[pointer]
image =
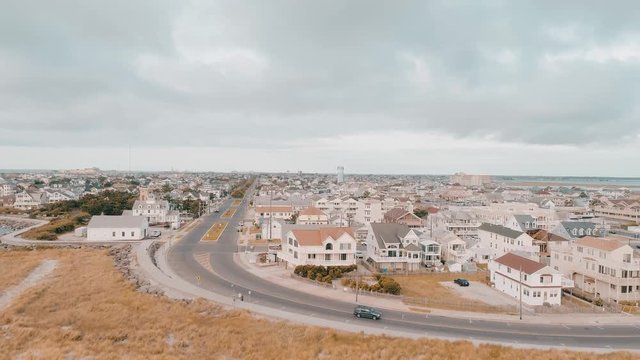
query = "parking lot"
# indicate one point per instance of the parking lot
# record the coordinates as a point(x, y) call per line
point(481, 292)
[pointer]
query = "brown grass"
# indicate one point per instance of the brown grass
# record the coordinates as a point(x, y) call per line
point(229, 213)
point(15, 266)
point(236, 202)
point(416, 288)
point(214, 232)
point(96, 313)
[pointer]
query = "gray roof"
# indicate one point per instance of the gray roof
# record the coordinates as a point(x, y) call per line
point(500, 230)
point(412, 247)
point(389, 233)
point(115, 221)
point(569, 225)
point(523, 219)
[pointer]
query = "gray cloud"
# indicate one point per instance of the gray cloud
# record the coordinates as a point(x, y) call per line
point(257, 74)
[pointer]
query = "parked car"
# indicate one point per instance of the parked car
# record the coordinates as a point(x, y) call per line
point(216, 211)
point(366, 312)
point(360, 254)
point(461, 282)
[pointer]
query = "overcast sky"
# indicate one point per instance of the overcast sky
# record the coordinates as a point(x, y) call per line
point(492, 87)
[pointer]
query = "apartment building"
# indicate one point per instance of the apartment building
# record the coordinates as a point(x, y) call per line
point(540, 283)
point(368, 211)
point(606, 268)
point(621, 209)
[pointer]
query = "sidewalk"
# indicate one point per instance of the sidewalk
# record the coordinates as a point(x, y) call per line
point(280, 276)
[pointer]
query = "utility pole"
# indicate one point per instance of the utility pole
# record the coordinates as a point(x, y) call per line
point(520, 292)
point(270, 212)
point(357, 286)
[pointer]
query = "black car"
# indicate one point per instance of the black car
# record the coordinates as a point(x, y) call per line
point(367, 312)
point(461, 282)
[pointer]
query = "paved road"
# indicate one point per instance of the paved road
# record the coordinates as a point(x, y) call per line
point(229, 279)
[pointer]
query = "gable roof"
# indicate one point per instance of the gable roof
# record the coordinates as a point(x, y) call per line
point(312, 211)
point(516, 262)
point(263, 209)
point(315, 237)
point(389, 233)
point(500, 230)
point(606, 244)
point(116, 221)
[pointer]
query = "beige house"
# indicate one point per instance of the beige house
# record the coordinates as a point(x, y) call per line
point(622, 209)
point(273, 212)
point(312, 216)
point(606, 268)
point(325, 246)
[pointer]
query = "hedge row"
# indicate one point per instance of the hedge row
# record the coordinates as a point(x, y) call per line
point(321, 273)
point(384, 284)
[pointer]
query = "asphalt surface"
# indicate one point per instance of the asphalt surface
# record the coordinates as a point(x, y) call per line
point(229, 279)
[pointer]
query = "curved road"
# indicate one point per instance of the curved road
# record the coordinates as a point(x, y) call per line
point(229, 279)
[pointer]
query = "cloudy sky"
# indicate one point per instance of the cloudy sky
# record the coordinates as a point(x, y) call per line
point(424, 87)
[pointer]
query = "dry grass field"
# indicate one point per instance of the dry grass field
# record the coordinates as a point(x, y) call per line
point(87, 309)
point(428, 286)
point(215, 231)
point(15, 265)
point(236, 202)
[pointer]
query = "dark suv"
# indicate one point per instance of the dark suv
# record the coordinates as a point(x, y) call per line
point(461, 282)
point(367, 312)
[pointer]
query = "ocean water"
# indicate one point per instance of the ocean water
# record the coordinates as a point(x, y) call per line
point(574, 180)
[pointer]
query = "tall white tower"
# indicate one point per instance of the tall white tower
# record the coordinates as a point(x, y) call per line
point(340, 174)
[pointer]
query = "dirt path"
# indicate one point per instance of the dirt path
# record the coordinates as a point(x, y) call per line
point(44, 269)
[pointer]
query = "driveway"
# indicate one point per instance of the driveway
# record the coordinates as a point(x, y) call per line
point(481, 292)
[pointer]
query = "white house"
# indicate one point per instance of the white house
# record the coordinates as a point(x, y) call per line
point(273, 212)
point(27, 200)
point(393, 247)
point(453, 248)
point(540, 283)
point(501, 240)
point(123, 227)
point(156, 211)
point(430, 252)
point(324, 246)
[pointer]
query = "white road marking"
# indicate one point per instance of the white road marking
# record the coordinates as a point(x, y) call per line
point(565, 326)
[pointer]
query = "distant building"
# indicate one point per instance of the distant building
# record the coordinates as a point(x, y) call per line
point(155, 211)
point(470, 180)
point(109, 227)
point(340, 174)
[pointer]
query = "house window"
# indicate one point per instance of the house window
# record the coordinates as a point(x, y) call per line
point(132, 234)
point(327, 257)
point(114, 234)
point(329, 246)
point(343, 257)
point(123, 234)
point(345, 246)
